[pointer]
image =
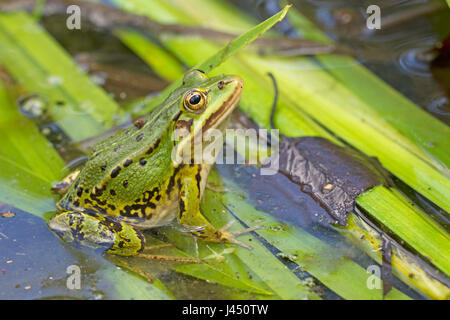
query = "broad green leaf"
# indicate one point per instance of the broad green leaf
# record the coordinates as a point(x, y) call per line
point(291, 120)
point(28, 162)
point(164, 64)
point(314, 95)
point(339, 273)
point(406, 266)
point(430, 134)
point(131, 287)
point(216, 273)
point(208, 63)
point(410, 224)
point(40, 65)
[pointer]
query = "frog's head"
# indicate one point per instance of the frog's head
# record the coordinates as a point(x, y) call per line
point(205, 104)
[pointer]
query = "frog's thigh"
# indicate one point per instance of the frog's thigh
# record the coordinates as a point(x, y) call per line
point(95, 231)
point(190, 215)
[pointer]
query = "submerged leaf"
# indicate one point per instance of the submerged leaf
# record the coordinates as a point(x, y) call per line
point(28, 162)
point(39, 65)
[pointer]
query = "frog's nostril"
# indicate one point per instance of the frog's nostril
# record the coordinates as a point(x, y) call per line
point(237, 80)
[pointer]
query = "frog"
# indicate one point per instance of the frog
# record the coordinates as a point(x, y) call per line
point(132, 181)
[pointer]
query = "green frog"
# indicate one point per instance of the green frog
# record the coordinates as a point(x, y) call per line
point(132, 182)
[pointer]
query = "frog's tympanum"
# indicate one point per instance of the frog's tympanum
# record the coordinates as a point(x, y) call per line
point(130, 181)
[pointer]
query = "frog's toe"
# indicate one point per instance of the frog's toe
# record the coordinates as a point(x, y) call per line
point(230, 237)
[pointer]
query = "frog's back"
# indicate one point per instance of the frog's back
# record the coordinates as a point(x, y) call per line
point(130, 173)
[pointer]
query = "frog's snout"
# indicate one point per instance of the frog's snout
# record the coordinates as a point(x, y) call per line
point(236, 81)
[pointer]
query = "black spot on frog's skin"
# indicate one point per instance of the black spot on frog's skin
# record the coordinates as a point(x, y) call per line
point(155, 146)
point(177, 116)
point(76, 224)
point(129, 211)
point(79, 192)
point(198, 176)
point(182, 207)
point(139, 137)
point(76, 203)
point(87, 201)
point(60, 103)
point(127, 162)
point(98, 191)
point(116, 148)
point(112, 192)
point(125, 183)
point(112, 225)
point(220, 84)
point(115, 171)
point(103, 167)
point(112, 207)
point(148, 195)
point(172, 181)
point(142, 162)
point(94, 196)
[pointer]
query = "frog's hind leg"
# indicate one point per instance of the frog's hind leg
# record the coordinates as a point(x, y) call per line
point(98, 231)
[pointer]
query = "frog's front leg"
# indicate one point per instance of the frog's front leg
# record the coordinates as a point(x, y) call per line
point(98, 231)
point(190, 215)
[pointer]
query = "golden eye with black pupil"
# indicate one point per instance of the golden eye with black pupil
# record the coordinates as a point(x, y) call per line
point(195, 101)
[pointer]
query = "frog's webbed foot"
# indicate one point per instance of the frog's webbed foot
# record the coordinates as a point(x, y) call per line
point(230, 237)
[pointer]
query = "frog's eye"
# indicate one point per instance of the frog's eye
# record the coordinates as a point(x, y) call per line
point(195, 101)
